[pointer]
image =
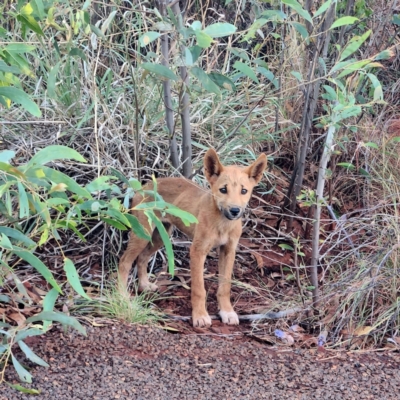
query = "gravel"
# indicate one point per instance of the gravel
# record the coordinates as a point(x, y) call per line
point(134, 362)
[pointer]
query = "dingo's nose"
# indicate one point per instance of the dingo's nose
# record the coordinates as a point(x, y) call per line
point(235, 211)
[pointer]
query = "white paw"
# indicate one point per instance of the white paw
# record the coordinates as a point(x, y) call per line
point(229, 317)
point(148, 287)
point(202, 321)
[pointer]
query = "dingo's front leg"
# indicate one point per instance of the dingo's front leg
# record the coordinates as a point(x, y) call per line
point(198, 253)
point(225, 264)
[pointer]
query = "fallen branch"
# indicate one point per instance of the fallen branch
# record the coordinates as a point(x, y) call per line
point(248, 317)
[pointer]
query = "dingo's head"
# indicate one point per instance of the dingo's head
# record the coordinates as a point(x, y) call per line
point(232, 185)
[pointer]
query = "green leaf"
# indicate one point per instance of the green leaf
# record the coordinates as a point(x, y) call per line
point(269, 75)
point(108, 21)
point(301, 29)
point(118, 216)
point(353, 67)
point(92, 205)
point(165, 238)
point(4, 298)
point(31, 23)
point(384, 55)
point(203, 40)
point(245, 69)
point(122, 178)
point(160, 70)
point(185, 216)
point(322, 9)
point(341, 65)
point(20, 97)
point(251, 32)
point(55, 152)
point(297, 75)
point(99, 184)
point(113, 223)
point(73, 278)
point(239, 53)
point(275, 15)
point(97, 31)
point(78, 52)
point(222, 81)
point(48, 305)
point(6, 68)
point(371, 144)
point(196, 25)
point(6, 155)
point(23, 201)
point(378, 93)
point(17, 235)
point(22, 389)
point(205, 80)
point(364, 172)
point(42, 210)
point(396, 19)
point(220, 29)
point(137, 227)
point(148, 37)
point(331, 93)
point(5, 242)
point(354, 45)
point(38, 8)
point(51, 81)
point(59, 177)
point(30, 355)
point(344, 21)
point(346, 165)
point(23, 374)
point(134, 184)
point(299, 9)
point(58, 317)
point(38, 265)
point(285, 246)
point(22, 335)
point(19, 48)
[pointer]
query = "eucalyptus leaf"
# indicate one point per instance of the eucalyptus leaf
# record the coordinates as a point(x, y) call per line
point(20, 97)
point(30, 355)
point(58, 317)
point(160, 70)
point(73, 278)
point(23, 374)
point(245, 69)
point(55, 152)
point(165, 238)
point(220, 29)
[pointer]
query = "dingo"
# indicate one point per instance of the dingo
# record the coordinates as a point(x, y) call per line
point(219, 225)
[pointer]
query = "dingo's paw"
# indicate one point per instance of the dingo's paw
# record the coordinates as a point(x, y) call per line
point(201, 321)
point(229, 317)
point(148, 287)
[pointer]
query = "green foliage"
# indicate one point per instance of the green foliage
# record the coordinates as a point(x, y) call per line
point(51, 201)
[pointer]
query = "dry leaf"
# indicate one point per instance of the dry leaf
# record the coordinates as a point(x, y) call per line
point(363, 330)
point(18, 318)
point(259, 259)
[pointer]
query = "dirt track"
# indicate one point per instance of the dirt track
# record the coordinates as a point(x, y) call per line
point(128, 362)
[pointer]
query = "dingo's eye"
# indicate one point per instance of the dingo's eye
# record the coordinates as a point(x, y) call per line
point(244, 191)
point(223, 190)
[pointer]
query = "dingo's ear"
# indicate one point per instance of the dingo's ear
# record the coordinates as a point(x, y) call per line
point(212, 165)
point(256, 170)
